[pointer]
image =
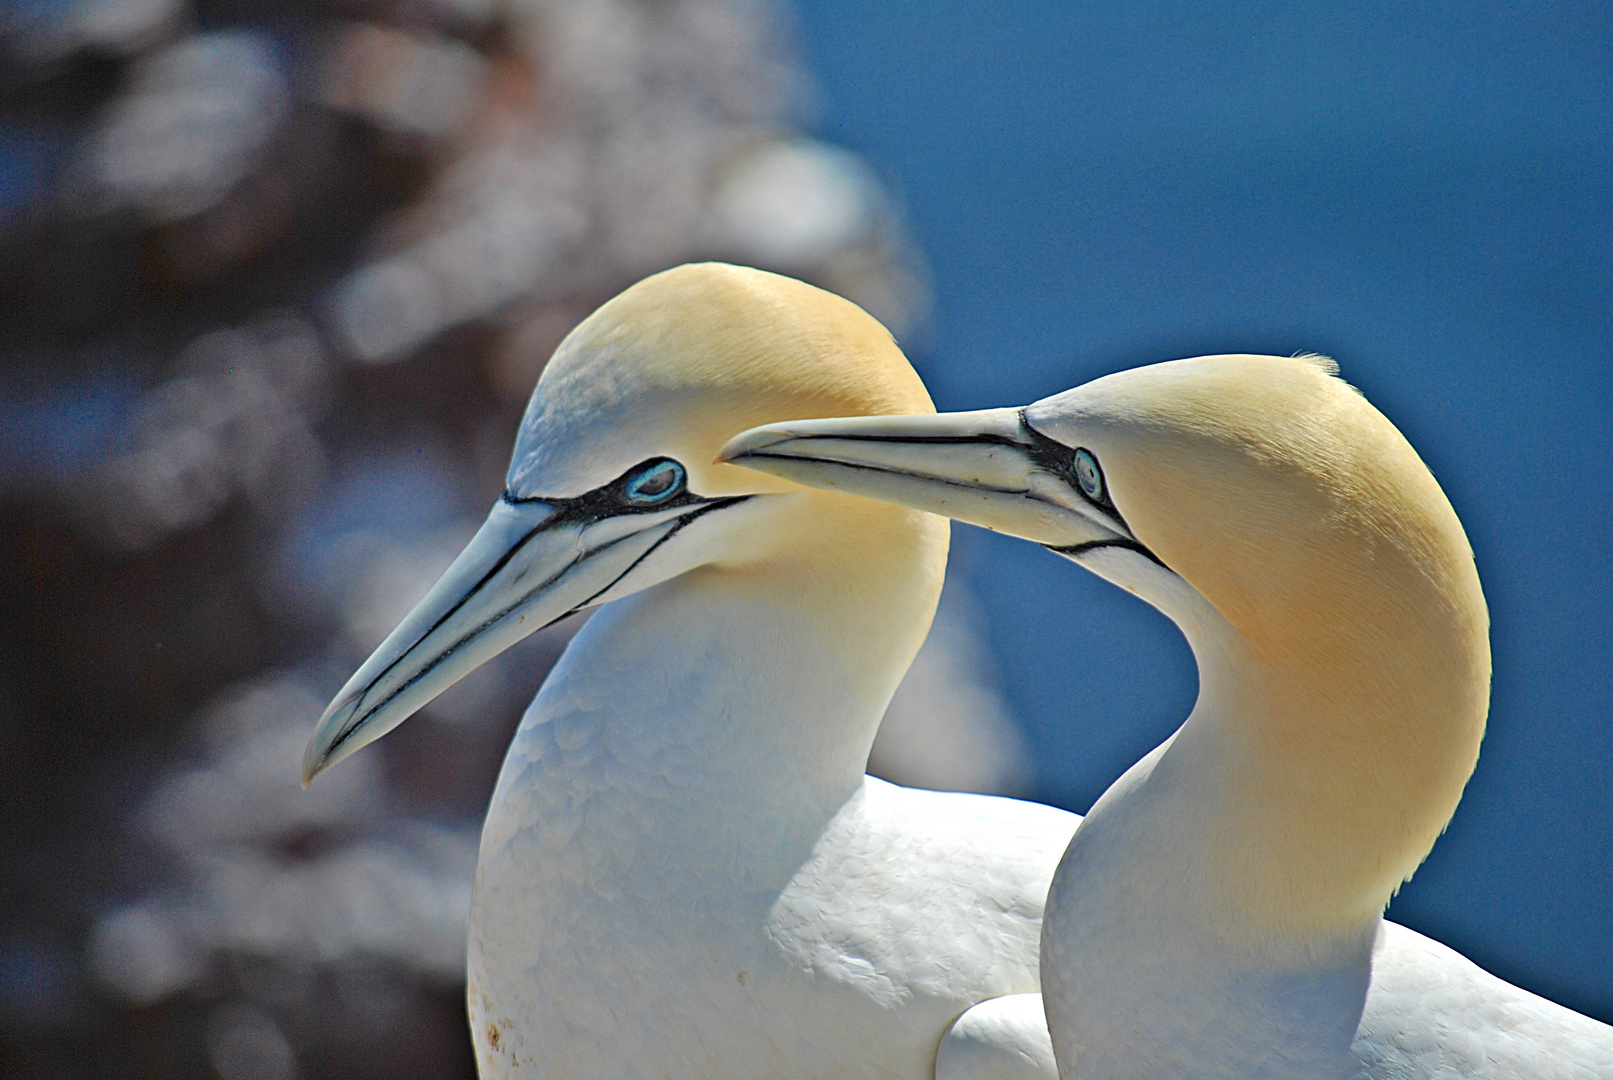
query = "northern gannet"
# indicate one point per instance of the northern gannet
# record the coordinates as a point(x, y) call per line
point(1219, 911)
point(684, 871)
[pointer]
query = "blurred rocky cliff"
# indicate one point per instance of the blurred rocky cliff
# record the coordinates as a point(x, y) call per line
point(277, 278)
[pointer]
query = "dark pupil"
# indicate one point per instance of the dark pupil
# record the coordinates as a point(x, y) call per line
point(654, 482)
point(1086, 470)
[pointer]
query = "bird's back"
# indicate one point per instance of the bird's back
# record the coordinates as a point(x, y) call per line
point(1430, 1012)
point(911, 907)
point(914, 906)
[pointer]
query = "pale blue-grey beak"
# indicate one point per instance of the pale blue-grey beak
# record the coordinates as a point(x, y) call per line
point(989, 468)
point(532, 562)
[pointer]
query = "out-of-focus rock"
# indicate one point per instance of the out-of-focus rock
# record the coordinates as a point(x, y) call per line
point(428, 87)
point(246, 789)
point(270, 871)
point(284, 284)
point(793, 204)
point(191, 124)
point(245, 1043)
point(505, 221)
point(233, 421)
point(818, 212)
point(144, 953)
point(50, 32)
point(620, 139)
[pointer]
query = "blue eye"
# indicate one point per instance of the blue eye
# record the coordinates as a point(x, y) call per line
point(655, 483)
point(1089, 476)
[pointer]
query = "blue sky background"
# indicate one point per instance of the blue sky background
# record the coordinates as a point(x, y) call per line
point(1425, 194)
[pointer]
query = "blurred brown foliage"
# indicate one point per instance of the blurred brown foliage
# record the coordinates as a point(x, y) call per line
point(278, 278)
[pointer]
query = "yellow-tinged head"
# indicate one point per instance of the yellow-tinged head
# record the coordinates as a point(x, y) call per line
point(613, 489)
point(686, 359)
point(1285, 499)
point(1345, 666)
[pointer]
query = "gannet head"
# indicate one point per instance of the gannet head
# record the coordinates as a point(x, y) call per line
point(1283, 522)
point(1267, 483)
point(613, 487)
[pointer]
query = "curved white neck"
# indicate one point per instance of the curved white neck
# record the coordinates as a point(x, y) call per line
point(733, 708)
point(1230, 884)
point(756, 700)
point(1315, 771)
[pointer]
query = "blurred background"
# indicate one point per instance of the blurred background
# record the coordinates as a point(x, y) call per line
point(276, 279)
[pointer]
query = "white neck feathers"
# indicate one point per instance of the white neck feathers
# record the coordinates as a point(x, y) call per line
point(747, 691)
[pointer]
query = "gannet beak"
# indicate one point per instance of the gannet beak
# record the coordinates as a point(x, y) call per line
point(532, 562)
point(988, 468)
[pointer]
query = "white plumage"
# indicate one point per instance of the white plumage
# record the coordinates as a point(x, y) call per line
point(684, 870)
point(1218, 912)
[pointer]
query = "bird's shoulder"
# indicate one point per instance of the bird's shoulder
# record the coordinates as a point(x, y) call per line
point(1432, 1012)
point(939, 847)
point(1003, 1038)
point(924, 892)
point(981, 828)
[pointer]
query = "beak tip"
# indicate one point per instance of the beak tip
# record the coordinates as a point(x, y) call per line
point(317, 757)
point(312, 766)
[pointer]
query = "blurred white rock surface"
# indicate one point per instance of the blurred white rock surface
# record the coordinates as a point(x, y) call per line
point(189, 127)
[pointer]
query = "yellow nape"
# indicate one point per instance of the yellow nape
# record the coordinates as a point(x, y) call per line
point(1360, 674)
point(684, 360)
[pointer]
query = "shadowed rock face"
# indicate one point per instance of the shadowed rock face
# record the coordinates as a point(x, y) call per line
point(277, 291)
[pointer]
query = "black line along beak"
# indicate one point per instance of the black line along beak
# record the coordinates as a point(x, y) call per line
point(532, 562)
point(988, 468)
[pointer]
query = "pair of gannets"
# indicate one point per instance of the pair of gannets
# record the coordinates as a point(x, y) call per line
point(684, 871)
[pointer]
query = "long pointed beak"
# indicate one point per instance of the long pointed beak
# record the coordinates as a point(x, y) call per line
point(988, 468)
point(528, 565)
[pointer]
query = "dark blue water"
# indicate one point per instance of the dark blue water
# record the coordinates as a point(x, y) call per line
point(1426, 196)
